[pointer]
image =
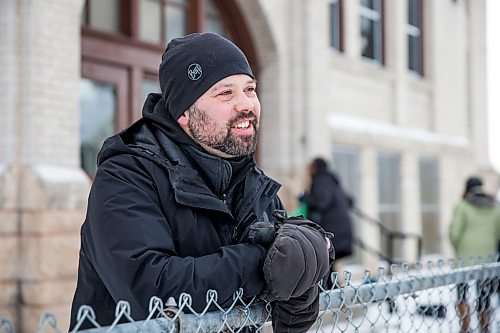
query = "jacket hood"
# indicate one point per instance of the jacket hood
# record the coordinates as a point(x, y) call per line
point(154, 110)
point(480, 199)
point(131, 141)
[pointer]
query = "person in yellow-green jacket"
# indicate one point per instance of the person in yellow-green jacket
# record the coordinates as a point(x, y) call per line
point(475, 231)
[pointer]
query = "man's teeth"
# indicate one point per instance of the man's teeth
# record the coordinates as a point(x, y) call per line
point(244, 124)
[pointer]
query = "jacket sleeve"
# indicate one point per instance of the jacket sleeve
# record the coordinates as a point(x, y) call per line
point(134, 253)
point(457, 226)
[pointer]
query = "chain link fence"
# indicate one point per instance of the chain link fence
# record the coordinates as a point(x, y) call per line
point(435, 297)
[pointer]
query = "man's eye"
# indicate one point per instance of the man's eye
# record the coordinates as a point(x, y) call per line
point(225, 93)
point(251, 89)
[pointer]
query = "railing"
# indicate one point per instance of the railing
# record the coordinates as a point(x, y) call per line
point(390, 235)
point(419, 300)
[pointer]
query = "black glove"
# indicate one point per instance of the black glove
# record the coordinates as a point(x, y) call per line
point(262, 233)
point(297, 260)
point(328, 235)
point(298, 314)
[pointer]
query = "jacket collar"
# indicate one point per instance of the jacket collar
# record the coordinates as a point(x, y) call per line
point(195, 189)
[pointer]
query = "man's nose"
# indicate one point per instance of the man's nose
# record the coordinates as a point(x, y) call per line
point(244, 103)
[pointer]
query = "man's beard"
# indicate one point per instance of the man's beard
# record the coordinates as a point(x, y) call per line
point(208, 133)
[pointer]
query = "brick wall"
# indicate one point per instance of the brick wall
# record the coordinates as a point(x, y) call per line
point(42, 189)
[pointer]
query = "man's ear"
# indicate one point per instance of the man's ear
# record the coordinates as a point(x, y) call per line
point(183, 119)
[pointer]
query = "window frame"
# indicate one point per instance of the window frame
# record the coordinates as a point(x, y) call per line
point(130, 34)
point(390, 207)
point(163, 4)
point(348, 154)
point(376, 15)
point(416, 32)
point(349, 177)
point(336, 33)
point(426, 207)
point(117, 78)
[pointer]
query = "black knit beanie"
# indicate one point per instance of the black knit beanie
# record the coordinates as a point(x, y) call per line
point(194, 63)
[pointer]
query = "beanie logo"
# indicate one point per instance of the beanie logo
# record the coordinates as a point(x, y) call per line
point(194, 72)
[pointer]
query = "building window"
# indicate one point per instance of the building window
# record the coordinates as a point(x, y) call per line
point(429, 205)
point(415, 41)
point(213, 20)
point(162, 20)
point(149, 85)
point(371, 30)
point(159, 21)
point(174, 19)
point(389, 196)
point(150, 17)
point(103, 15)
point(97, 120)
point(346, 167)
point(336, 24)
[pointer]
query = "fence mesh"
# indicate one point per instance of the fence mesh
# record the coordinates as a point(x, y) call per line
point(435, 297)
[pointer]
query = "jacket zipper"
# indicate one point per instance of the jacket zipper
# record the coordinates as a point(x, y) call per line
point(245, 223)
point(242, 176)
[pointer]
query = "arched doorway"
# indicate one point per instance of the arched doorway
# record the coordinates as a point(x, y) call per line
point(122, 43)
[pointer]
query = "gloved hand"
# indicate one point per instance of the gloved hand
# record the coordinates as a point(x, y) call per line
point(262, 233)
point(296, 261)
point(297, 314)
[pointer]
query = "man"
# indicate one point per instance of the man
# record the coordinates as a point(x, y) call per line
point(328, 205)
point(176, 197)
point(475, 231)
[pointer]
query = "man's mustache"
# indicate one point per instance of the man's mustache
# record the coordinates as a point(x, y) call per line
point(250, 115)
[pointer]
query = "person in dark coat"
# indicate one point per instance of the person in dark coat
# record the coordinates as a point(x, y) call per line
point(328, 205)
point(175, 192)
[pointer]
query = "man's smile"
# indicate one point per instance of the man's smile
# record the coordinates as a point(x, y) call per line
point(243, 124)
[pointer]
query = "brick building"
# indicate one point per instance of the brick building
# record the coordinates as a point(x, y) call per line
point(393, 92)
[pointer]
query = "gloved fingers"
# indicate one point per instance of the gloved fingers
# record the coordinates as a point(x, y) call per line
point(328, 235)
point(284, 266)
point(298, 304)
point(262, 233)
point(297, 260)
point(297, 314)
point(297, 220)
point(320, 246)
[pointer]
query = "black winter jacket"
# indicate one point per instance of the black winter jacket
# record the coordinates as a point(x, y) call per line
point(161, 221)
point(328, 206)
